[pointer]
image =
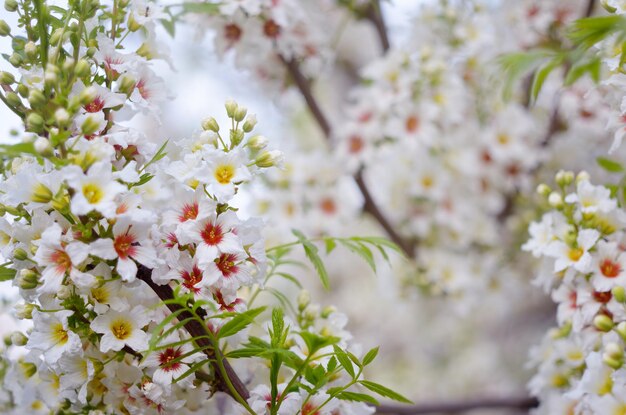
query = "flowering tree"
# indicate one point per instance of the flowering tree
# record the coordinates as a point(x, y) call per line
point(142, 277)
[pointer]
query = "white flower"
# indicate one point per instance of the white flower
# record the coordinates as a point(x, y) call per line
point(95, 190)
point(577, 256)
point(123, 329)
point(214, 235)
point(52, 336)
point(592, 198)
point(609, 266)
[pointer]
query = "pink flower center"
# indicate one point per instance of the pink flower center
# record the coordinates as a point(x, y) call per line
point(212, 234)
point(226, 263)
point(167, 359)
point(60, 258)
point(123, 245)
point(192, 278)
point(95, 106)
point(189, 212)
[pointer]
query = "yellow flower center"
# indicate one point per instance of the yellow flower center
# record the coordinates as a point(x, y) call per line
point(93, 193)
point(575, 253)
point(121, 329)
point(59, 334)
point(100, 294)
point(503, 138)
point(224, 173)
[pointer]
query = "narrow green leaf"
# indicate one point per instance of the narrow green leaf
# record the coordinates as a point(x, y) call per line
point(384, 391)
point(239, 322)
point(357, 397)
point(7, 274)
point(344, 360)
point(370, 356)
point(311, 252)
point(209, 8)
point(330, 245)
point(542, 74)
point(610, 165)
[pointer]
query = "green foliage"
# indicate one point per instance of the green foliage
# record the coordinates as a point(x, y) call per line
point(311, 252)
point(609, 165)
point(6, 273)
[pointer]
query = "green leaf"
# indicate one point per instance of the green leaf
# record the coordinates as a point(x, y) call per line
point(209, 8)
point(157, 156)
point(361, 250)
point(239, 322)
point(344, 360)
point(589, 31)
point(357, 397)
point(542, 74)
point(314, 342)
point(169, 26)
point(289, 277)
point(17, 149)
point(384, 391)
point(370, 356)
point(330, 245)
point(579, 69)
point(610, 165)
point(311, 252)
point(516, 65)
point(6, 273)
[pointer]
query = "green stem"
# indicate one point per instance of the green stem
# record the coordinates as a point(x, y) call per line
point(229, 384)
point(43, 34)
point(15, 110)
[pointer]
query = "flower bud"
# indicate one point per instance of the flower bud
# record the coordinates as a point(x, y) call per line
point(82, 68)
point(583, 176)
point(231, 107)
point(304, 299)
point(31, 50)
point(250, 123)
point(236, 137)
point(614, 363)
point(543, 189)
point(35, 122)
point(608, 7)
point(555, 200)
point(6, 78)
point(64, 292)
point(614, 350)
point(13, 99)
point(328, 310)
point(36, 98)
point(10, 5)
point(18, 338)
point(619, 293)
point(145, 51)
point(23, 90)
point(28, 369)
point(27, 279)
point(311, 312)
point(61, 202)
point(55, 37)
point(16, 60)
point(91, 51)
point(5, 29)
point(240, 113)
point(269, 159)
point(621, 330)
point(24, 311)
point(51, 75)
point(210, 124)
point(88, 95)
point(603, 322)
point(20, 254)
point(61, 117)
point(89, 126)
point(127, 84)
point(258, 142)
point(564, 178)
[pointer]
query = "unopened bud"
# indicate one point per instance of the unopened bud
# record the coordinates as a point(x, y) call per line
point(327, 311)
point(614, 363)
point(6, 78)
point(23, 90)
point(543, 189)
point(36, 98)
point(55, 37)
point(236, 137)
point(258, 142)
point(583, 176)
point(20, 254)
point(304, 299)
point(250, 123)
point(34, 122)
point(89, 126)
point(10, 5)
point(311, 312)
point(564, 178)
point(31, 49)
point(18, 338)
point(91, 51)
point(61, 202)
point(608, 7)
point(145, 51)
point(240, 113)
point(16, 60)
point(82, 68)
point(24, 311)
point(269, 159)
point(28, 369)
point(619, 293)
point(603, 322)
point(621, 329)
point(555, 200)
point(51, 74)
point(64, 292)
point(614, 350)
point(210, 124)
point(231, 107)
point(127, 84)
point(27, 279)
point(61, 117)
point(88, 95)
point(5, 29)
point(13, 99)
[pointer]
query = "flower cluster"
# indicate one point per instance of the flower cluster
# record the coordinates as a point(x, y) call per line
point(581, 242)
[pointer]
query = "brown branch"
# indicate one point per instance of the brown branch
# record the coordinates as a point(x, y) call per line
point(200, 333)
point(522, 403)
point(375, 15)
point(370, 206)
point(591, 5)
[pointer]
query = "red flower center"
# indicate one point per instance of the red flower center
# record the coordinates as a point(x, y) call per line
point(412, 124)
point(227, 264)
point(192, 278)
point(212, 234)
point(356, 144)
point(95, 106)
point(602, 296)
point(189, 211)
point(232, 32)
point(123, 245)
point(610, 269)
point(271, 29)
point(167, 359)
point(61, 259)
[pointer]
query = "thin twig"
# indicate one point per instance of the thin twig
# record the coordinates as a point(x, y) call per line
point(199, 332)
point(522, 403)
point(591, 5)
point(370, 206)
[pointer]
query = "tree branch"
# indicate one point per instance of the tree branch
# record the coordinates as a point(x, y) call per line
point(375, 15)
point(199, 332)
point(591, 5)
point(522, 403)
point(370, 206)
